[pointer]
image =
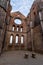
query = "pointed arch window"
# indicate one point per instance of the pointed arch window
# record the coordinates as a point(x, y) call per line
point(17, 39)
point(11, 39)
point(7, 3)
point(22, 39)
point(17, 28)
point(13, 28)
point(21, 29)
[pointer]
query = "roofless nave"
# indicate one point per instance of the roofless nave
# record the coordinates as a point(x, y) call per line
point(28, 35)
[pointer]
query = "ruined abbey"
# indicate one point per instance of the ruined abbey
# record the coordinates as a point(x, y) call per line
point(28, 34)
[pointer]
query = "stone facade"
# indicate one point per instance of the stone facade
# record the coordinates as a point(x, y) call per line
point(23, 25)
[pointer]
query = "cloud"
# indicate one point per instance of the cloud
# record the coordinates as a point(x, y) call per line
point(21, 5)
point(24, 10)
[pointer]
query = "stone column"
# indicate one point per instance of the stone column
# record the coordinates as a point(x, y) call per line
point(32, 39)
point(25, 41)
point(31, 26)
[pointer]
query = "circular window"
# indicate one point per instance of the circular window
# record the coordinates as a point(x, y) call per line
point(17, 21)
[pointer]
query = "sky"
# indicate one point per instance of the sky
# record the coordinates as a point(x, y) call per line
point(22, 6)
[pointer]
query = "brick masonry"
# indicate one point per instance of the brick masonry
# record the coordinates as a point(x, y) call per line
point(7, 22)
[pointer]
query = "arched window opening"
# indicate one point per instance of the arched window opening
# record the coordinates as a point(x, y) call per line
point(30, 24)
point(21, 29)
point(17, 28)
point(11, 39)
point(13, 28)
point(17, 38)
point(7, 3)
point(34, 13)
point(22, 39)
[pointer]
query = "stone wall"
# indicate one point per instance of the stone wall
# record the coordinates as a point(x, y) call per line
point(38, 42)
point(36, 23)
point(2, 26)
point(16, 15)
point(3, 20)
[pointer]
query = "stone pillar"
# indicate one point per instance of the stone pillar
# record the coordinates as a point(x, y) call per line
point(32, 39)
point(25, 41)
